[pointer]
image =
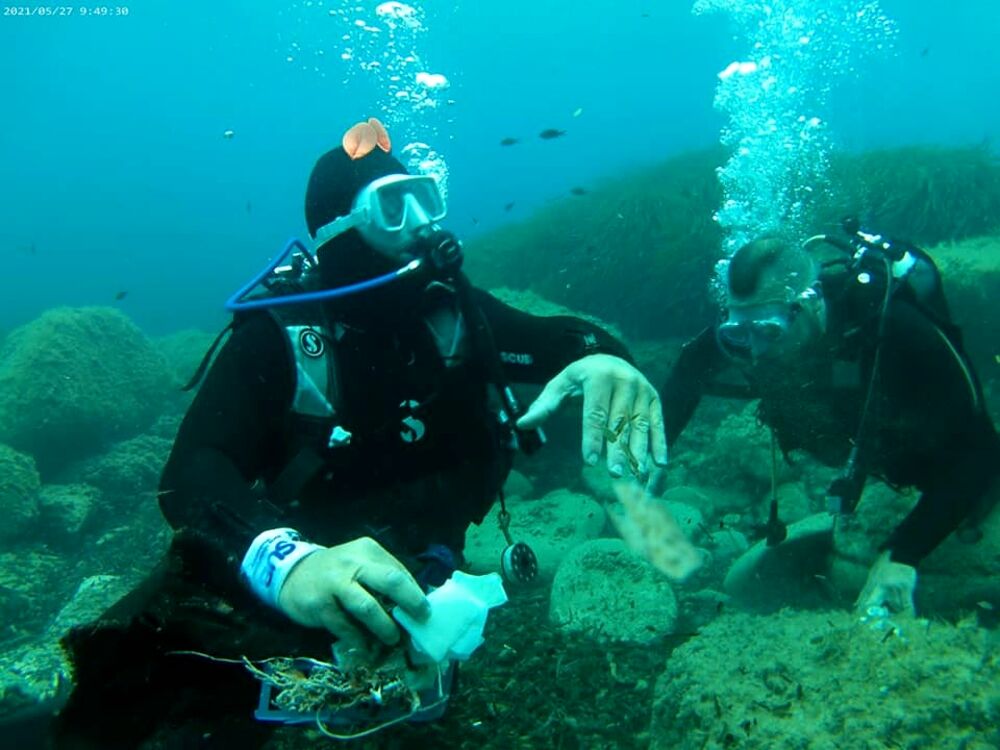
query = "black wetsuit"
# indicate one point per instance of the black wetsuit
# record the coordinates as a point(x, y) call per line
point(240, 430)
point(928, 426)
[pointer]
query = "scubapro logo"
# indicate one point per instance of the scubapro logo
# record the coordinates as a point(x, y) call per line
point(516, 358)
point(411, 429)
point(311, 343)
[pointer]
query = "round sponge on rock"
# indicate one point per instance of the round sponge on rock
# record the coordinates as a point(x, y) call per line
point(76, 379)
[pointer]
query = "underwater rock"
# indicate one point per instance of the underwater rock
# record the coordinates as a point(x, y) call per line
point(38, 671)
point(535, 304)
point(688, 518)
point(699, 608)
point(694, 498)
point(92, 597)
point(739, 458)
point(130, 468)
point(75, 380)
point(792, 572)
point(971, 272)
point(794, 504)
point(19, 487)
point(727, 502)
point(518, 485)
point(726, 544)
point(605, 591)
point(552, 526)
point(34, 582)
point(961, 574)
point(599, 482)
point(166, 427)
point(825, 680)
point(182, 352)
point(67, 507)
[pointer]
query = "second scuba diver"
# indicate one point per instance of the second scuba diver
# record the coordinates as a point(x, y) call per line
point(857, 362)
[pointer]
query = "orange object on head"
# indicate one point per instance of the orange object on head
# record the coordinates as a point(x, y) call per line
point(359, 140)
point(381, 134)
point(362, 138)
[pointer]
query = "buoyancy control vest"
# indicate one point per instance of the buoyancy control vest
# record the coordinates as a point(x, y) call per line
point(338, 426)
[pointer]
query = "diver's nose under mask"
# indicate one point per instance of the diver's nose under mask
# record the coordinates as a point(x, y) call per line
point(757, 331)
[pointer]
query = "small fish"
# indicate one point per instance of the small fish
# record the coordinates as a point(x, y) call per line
point(985, 605)
point(578, 111)
point(925, 51)
point(121, 295)
point(249, 207)
point(228, 134)
point(508, 206)
point(549, 133)
point(475, 220)
point(510, 141)
point(29, 249)
point(578, 191)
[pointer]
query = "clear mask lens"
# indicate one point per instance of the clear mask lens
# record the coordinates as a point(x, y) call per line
point(745, 335)
point(393, 201)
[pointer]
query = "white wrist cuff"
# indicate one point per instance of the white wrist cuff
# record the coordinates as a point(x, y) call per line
point(270, 559)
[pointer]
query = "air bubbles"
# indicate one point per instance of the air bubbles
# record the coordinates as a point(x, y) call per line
point(795, 51)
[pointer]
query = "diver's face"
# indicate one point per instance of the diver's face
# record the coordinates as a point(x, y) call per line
point(774, 333)
point(398, 210)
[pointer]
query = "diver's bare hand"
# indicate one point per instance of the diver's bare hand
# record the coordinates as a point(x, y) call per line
point(621, 411)
point(890, 584)
point(332, 588)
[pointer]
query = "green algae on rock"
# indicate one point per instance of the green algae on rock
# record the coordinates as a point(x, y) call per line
point(129, 468)
point(76, 379)
point(19, 487)
point(553, 526)
point(607, 592)
point(826, 681)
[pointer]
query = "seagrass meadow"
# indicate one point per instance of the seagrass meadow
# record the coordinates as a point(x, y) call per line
point(639, 250)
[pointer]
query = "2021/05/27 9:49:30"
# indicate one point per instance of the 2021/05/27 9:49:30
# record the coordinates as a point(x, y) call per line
point(66, 10)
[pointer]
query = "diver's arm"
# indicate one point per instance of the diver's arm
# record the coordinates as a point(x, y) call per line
point(534, 349)
point(947, 440)
point(700, 360)
point(956, 491)
point(223, 443)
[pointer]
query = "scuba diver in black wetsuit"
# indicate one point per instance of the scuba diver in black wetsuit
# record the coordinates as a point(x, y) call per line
point(354, 424)
point(856, 361)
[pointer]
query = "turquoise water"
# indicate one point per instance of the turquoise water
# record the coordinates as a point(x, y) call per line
point(116, 171)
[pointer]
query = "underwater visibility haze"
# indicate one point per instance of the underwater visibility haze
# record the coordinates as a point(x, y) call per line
point(604, 159)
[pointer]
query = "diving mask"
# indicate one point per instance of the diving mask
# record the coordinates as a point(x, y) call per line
point(753, 331)
point(390, 212)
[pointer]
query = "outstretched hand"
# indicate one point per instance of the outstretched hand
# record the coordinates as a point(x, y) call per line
point(621, 411)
